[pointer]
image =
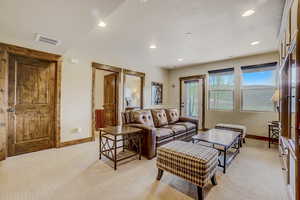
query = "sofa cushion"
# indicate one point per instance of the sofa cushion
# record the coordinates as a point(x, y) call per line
point(126, 117)
point(163, 133)
point(142, 117)
point(188, 125)
point(172, 115)
point(177, 129)
point(159, 117)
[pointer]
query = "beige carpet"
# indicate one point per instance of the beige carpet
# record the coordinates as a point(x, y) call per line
point(75, 173)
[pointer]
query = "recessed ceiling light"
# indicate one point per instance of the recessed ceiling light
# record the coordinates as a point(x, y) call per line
point(152, 46)
point(180, 59)
point(248, 13)
point(102, 24)
point(255, 43)
point(188, 35)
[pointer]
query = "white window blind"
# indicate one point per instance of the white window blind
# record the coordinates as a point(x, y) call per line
point(221, 89)
point(258, 87)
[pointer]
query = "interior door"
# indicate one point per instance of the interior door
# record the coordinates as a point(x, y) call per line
point(110, 100)
point(3, 104)
point(31, 105)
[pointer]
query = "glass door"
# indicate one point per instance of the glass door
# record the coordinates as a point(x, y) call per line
point(190, 99)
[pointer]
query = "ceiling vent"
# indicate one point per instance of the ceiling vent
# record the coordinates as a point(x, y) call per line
point(46, 39)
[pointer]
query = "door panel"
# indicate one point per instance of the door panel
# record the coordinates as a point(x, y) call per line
point(110, 94)
point(31, 105)
point(192, 99)
point(3, 104)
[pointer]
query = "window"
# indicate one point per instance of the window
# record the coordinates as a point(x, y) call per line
point(258, 87)
point(221, 87)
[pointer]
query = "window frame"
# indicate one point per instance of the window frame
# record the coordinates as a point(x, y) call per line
point(260, 66)
point(232, 69)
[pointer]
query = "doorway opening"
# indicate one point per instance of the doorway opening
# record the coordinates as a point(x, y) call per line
point(105, 96)
point(192, 98)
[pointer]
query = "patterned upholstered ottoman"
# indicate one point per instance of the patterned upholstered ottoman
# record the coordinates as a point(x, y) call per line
point(234, 127)
point(192, 162)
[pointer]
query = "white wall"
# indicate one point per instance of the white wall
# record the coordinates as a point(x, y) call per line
point(77, 88)
point(256, 122)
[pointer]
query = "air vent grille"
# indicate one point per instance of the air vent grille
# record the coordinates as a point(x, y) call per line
point(46, 39)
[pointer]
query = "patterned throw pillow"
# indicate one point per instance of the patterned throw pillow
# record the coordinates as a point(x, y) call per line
point(142, 117)
point(172, 115)
point(159, 117)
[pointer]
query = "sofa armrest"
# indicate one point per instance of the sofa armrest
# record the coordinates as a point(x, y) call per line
point(149, 140)
point(189, 119)
point(142, 126)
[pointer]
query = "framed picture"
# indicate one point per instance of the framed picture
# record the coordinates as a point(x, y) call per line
point(156, 93)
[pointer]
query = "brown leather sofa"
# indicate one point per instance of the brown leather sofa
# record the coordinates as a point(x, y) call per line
point(160, 126)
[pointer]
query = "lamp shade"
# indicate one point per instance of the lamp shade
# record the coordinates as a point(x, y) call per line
point(276, 96)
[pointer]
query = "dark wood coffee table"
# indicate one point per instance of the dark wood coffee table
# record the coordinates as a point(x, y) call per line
point(129, 137)
point(222, 140)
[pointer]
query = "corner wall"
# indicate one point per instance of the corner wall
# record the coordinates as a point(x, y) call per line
point(256, 122)
point(76, 93)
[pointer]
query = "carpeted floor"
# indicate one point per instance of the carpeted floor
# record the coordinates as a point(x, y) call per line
point(75, 173)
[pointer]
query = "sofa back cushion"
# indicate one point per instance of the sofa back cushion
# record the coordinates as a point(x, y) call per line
point(126, 117)
point(172, 115)
point(142, 117)
point(159, 117)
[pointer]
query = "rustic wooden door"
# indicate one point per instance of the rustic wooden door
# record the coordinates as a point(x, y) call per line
point(110, 100)
point(31, 100)
point(3, 104)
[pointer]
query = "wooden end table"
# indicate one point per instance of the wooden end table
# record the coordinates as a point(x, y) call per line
point(223, 141)
point(130, 137)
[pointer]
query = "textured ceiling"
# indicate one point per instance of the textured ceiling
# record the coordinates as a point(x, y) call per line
point(216, 28)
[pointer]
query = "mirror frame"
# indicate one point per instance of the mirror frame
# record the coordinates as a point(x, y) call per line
point(142, 77)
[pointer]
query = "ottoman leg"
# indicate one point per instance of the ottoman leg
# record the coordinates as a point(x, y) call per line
point(214, 180)
point(200, 193)
point(159, 174)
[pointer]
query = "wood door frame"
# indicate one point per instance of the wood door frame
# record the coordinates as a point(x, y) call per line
point(194, 77)
point(57, 59)
point(138, 74)
point(118, 71)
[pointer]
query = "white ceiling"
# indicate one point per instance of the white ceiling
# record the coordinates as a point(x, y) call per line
point(218, 31)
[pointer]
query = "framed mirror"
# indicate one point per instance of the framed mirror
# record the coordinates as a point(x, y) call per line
point(133, 90)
